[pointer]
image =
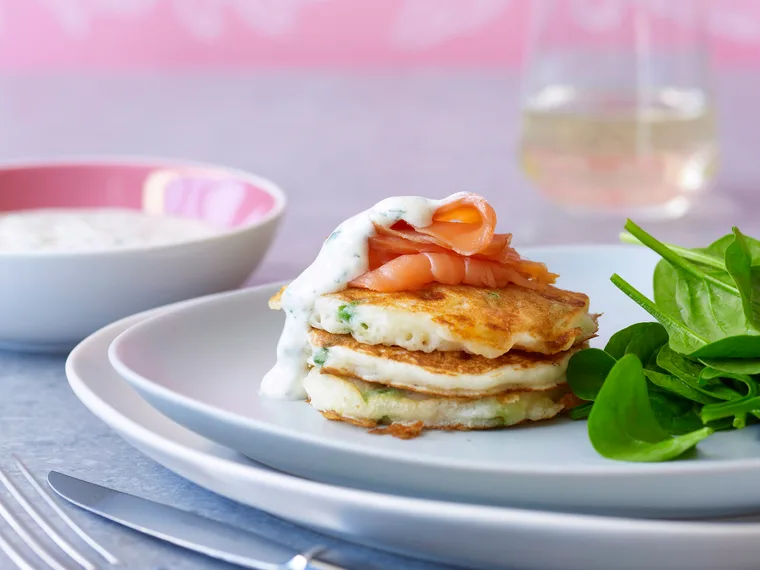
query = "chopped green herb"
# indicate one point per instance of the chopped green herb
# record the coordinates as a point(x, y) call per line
point(387, 392)
point(494, 294)
point(346, 313)
point(365, 326)
point(320, 357)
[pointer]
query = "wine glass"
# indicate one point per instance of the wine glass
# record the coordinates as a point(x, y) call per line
point(617, 114)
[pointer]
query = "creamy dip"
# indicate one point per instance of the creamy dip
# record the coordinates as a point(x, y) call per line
point(93, 229)
point(343, 258)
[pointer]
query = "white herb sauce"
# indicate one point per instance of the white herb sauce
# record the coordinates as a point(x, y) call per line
point(343, 257)
point(93, 229)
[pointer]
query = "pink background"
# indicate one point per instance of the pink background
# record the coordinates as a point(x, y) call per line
point(49, 34)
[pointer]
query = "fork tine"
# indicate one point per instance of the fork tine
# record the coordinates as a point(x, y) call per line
point(16, 557)
point(43, 524)
point(110, 558)
point(29, 539)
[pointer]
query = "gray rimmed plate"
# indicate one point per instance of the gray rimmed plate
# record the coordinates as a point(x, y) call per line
point(201, 365)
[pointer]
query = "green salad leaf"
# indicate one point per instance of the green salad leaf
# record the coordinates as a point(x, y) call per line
point(675, 415)
point(678, 365)
point(699, 304)
point(641, 339)
point(746, 276)
point(659, 388)
point(679, 387)
point(739, 404)
point(581, 411)
point(741, 346)
point(680, 337)
point(710, 308)
point(738, 366)
point(622, 424)
point(587, 370)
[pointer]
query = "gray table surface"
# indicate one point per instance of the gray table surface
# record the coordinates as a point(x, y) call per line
point(336, 143)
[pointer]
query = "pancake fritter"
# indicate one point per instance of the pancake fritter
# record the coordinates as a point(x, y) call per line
point(452, 373)
point(370, 405)
point(487, 322)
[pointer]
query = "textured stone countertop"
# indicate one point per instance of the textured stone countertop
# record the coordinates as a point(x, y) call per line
point(336, 143)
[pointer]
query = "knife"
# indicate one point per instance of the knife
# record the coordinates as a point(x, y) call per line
point(185, 529)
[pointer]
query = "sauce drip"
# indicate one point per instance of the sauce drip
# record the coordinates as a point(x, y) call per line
point(344, 257)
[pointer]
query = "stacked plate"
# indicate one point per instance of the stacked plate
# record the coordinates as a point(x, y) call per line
point(181, 384)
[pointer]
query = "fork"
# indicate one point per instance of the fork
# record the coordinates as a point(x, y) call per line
point(50, 556)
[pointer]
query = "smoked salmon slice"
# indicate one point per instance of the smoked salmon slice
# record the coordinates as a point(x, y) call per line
point(464, 225)
point(458, 247)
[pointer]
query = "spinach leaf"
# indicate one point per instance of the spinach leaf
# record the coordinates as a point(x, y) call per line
point(717, 249)
point(701, 369)
point(587, 370)
point(722, 424)
point(746, 276)
point(738, 408)
point(683, 339)
point(711, 256)
point(751, 390)
point(691, 373)
point(701, 309)
point(747, 366)
point(678, 365)
point(648, 344)
point(708, 374)
point(675, 415)
point(622, 424)
point(680, 337)
point(708, 306)
point(676, 385)
point(677, 262)
point(740, 346)
point(580, 412)
point(641, 339)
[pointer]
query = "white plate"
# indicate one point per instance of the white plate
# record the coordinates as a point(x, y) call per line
point(477, 536)
point(201, 366)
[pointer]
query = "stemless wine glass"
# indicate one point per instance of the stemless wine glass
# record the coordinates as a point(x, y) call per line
point(617, 113)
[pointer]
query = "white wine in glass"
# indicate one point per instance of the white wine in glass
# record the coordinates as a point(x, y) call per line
point(617, 114)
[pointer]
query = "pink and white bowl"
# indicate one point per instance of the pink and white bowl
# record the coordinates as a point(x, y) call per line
point(50, 300)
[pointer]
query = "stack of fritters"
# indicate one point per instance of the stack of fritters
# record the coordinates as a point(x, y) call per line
point(444, 357)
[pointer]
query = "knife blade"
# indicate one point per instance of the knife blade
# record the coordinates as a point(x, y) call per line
point(185, 529)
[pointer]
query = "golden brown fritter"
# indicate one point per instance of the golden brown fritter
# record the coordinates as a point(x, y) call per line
point(489, 322)
point(445, 373)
